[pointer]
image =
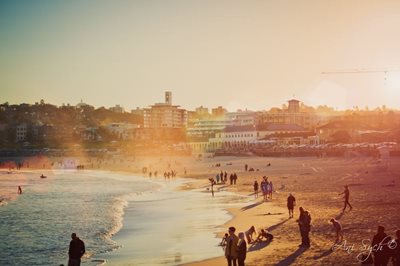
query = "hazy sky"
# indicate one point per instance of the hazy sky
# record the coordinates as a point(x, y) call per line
point(254, 54)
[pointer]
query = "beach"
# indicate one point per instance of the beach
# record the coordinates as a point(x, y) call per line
point(316, 184)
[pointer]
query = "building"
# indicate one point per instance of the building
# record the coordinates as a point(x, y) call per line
point(117, 109)
point(219, 111)
point(293, 114)
point(21, 132)
point(123, 131)
point(165, 115)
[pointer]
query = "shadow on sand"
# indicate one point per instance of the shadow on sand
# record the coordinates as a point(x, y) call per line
point(340, 215)
point(292, 257)
point(245, 208)
point(259, 245)
point(273, 227)
point(324, 254)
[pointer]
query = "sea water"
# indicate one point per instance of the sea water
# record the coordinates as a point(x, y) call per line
point(123, 220)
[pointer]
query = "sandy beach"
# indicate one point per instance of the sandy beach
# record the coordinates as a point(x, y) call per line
point(315, 182)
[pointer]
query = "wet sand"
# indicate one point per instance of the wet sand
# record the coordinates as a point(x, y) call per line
point(316, 183)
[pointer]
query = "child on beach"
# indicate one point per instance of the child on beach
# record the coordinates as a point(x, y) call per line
point(249, 234)
point(338, 228)
point(224, 240)
point(264, 234)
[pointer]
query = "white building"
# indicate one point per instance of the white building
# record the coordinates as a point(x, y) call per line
point(124, 131)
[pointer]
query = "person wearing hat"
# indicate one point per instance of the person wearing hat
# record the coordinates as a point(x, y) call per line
point(231, 247)
point(76, 251)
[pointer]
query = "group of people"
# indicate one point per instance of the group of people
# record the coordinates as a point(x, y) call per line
point(236, 246)
point(223, 178)
point(266, 188)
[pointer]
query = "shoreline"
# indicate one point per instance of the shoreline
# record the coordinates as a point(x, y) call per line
point(316, 183)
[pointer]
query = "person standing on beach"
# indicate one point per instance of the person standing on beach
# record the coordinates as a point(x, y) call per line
point(291, 202)
point(231, 247)
point(346, 193)
point(338, 229)
point(396, 255)
point(255, 189)
point(241, 250)
point(304, 222)
point(380, 247)
point(234, 178)
point(76, 251)
point(19, 190)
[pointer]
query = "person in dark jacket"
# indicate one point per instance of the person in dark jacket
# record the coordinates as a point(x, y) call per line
point(76, 251)
point(291, 201)
point(304, 222)
point(396, 255)
point(380, 247)
point(241, 250)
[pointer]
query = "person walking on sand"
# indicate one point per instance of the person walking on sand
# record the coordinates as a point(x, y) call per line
point(231, 247)
point(291, 202)
point(255, 189)
point(338, 229)
point(304, 222)
point(346, 193)
point(19, 190)
point(76, 251)
point(241, 250)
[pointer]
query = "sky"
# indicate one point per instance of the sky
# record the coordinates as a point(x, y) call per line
point(237, 54)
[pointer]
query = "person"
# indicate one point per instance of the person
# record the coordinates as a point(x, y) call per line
point(264, 188)
point(304, 222)
point(224, 240)
point(291, 202)
point(346, 193)
point(231, 247)
point(380, 248)
point(264, 234)
point(19, 190)
point(246, 167)
point(271, 189)
point(241, 250)
point(396, 251)
point(255, 189)
point(76, 251)
point(338, 229)
point(268, 185)
point(249, 234)
point(234, 178)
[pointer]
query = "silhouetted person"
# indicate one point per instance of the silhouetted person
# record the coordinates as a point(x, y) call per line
point(246, 167)
point(291, 201)
point(379, 246)
point(76, 251)
point(255, 189)
point(241, 250)
point(396, 251)
point(346, 193)
point(231, 247)
point(338, 229)
point(304, 222)
point(19, 190)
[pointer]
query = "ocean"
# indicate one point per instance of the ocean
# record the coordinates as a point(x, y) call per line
point(123, 220)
